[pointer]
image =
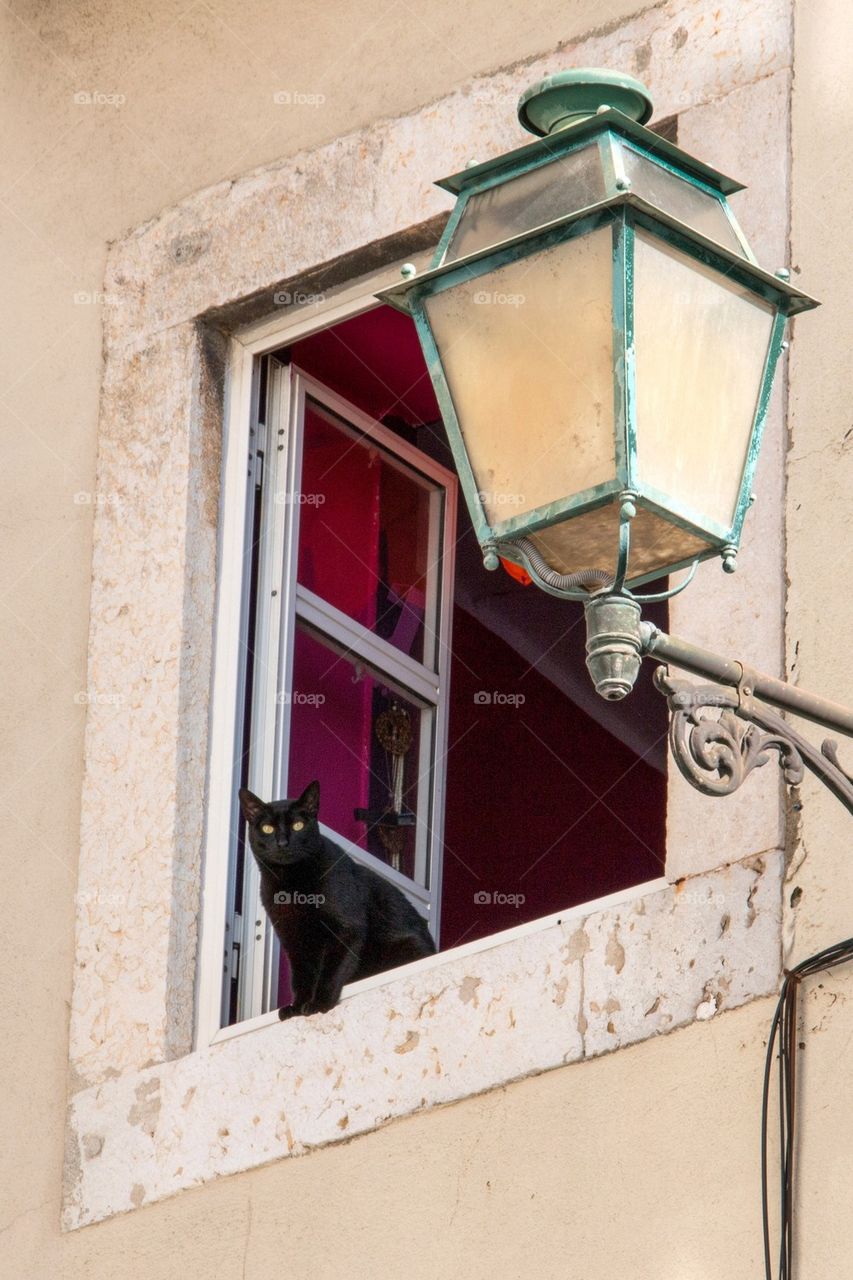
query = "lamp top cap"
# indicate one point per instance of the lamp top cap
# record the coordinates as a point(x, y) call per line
point(571, 96)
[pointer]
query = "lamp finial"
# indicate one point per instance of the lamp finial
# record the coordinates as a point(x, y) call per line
point(571, 96)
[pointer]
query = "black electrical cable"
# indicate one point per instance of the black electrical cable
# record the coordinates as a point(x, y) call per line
point(783, 1029)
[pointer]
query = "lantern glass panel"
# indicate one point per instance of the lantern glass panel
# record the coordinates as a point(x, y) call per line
point(528, 201)
point(680, 199)
point(591, 541)
point(701, 342)
point(527, 353)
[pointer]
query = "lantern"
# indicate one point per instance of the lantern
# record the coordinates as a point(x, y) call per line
point(602, 343)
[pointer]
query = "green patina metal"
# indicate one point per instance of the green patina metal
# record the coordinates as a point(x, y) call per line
point(555, 146)
point(610, 133)
point(777, 343)
point(556, 512)
point(450, 229)
point(405, 296)
point(624, 405)
point(569, 97)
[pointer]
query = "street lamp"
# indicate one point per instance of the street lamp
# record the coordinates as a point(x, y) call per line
point(602, 344)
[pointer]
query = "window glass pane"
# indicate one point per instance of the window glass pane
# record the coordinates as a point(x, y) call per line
point(361, 738)
point(529, 201)
point(680, 199)
point(365, 534)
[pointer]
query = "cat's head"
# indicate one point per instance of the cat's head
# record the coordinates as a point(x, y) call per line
point(282, 831)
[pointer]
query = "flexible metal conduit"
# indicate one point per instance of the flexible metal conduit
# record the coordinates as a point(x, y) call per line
point(562, 581)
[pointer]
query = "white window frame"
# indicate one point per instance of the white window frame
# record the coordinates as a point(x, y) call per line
point(281, 422)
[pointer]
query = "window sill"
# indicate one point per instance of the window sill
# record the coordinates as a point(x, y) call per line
point(457, 953)
point(552, 992)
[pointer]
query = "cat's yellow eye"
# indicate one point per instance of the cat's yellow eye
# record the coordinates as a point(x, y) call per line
point(297, 826)
point(267, 829)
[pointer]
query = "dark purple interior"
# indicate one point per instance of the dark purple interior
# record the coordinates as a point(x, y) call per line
point(553, 796)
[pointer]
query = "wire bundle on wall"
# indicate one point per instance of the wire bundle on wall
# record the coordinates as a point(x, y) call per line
point(784, 1030)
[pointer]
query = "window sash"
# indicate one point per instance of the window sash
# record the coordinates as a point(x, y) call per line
point(376, 652)
point(279, 432)
point(395, 673)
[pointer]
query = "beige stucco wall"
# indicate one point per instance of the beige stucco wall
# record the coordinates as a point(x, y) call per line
point(820, 606)
point(643, 1161)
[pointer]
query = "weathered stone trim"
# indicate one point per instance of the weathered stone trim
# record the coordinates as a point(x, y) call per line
point(579, 987)
point(239, 237)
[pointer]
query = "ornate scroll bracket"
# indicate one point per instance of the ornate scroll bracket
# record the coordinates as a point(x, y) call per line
point(716, 753)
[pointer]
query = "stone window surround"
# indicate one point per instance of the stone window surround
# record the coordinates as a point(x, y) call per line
point(147, 1115)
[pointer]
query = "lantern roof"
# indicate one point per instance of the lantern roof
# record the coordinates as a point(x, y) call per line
point(554, 145)
point(580, 111)
point(775, 288)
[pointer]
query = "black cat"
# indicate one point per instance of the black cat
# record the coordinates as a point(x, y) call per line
point(337, 920)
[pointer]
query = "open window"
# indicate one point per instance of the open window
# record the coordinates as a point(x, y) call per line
point(461, 750)
point(349, 569)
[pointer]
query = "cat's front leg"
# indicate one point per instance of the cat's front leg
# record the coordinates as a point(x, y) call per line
point(304, 976)
point(342, 960)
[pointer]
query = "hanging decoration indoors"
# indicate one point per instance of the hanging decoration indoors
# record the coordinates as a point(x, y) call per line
point(393, 731)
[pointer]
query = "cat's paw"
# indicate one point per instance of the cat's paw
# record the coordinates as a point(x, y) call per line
point(321, 1005)
point(299, 1010)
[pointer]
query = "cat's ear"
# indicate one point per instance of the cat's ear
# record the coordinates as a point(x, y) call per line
point(309, 801)
point(253, 808)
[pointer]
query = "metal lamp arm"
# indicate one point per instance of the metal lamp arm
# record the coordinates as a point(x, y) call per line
point(704, 662)
point(718, 732)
